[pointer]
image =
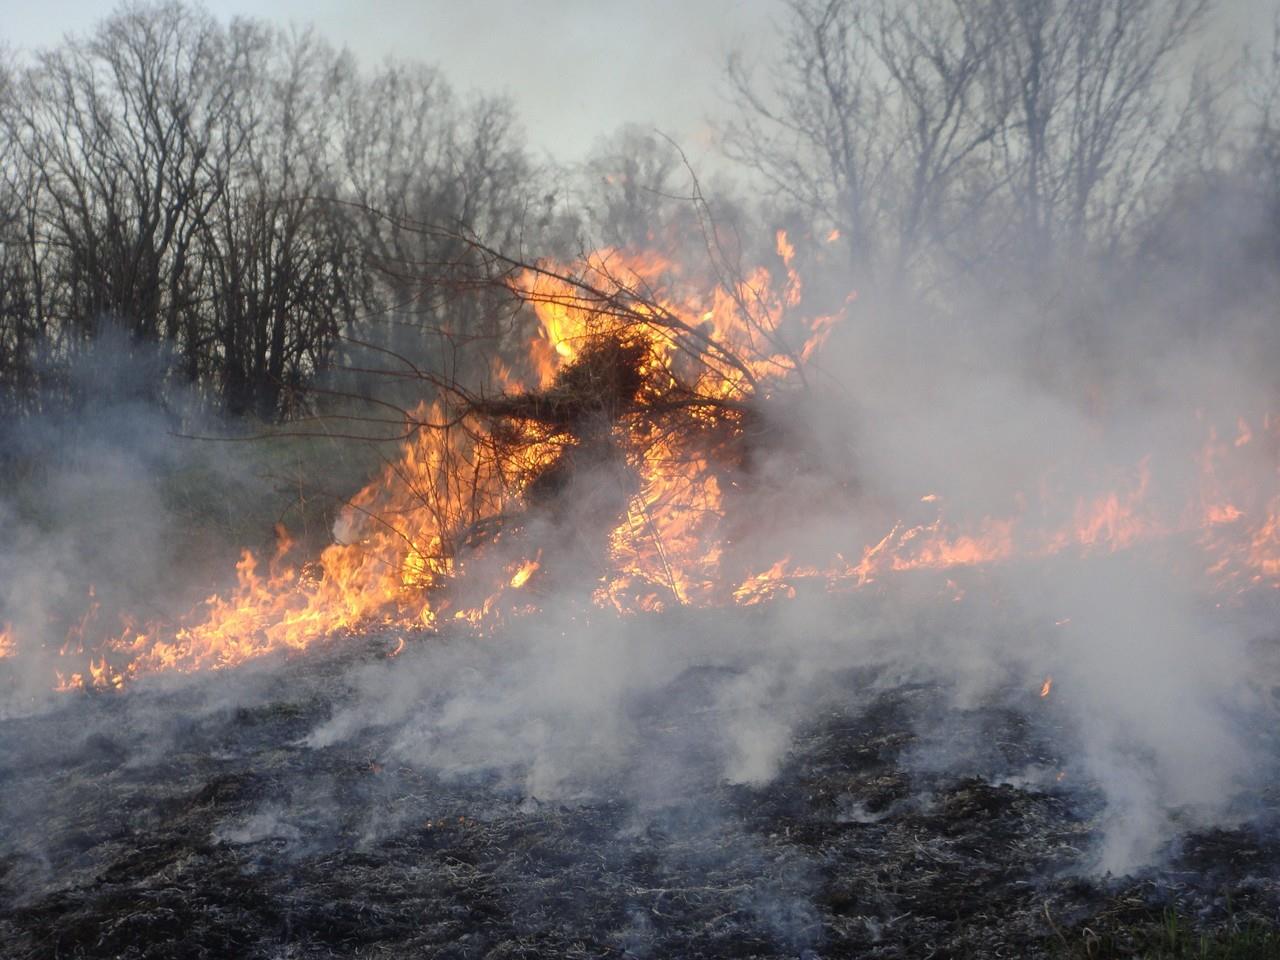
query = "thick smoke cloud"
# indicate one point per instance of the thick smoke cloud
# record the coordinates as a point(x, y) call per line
point(998, 402)
point(1161, 676)
point(1159, 688)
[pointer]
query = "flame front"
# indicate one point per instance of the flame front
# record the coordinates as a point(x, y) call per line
point(432, 540)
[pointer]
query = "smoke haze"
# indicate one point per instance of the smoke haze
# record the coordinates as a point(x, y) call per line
point(1001, 407)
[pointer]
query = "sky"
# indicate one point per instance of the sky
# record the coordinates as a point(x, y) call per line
point(576, 69)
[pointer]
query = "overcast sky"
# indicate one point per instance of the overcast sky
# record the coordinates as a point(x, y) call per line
point(576, 69)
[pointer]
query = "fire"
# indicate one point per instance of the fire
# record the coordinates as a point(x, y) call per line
point(1046, 687)
point(1243, 432)
point(1215, 514)
point(769, 584)
point(522, 575)
point(622, 346)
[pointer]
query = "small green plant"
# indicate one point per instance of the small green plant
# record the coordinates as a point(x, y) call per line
point(1171, 936)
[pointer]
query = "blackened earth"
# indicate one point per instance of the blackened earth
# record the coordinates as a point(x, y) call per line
point(179, 820)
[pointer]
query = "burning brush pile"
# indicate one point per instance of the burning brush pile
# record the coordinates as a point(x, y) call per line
point(611, 459)
point(699, 682)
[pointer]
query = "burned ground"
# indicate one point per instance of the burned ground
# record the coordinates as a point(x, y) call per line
point(199, 819)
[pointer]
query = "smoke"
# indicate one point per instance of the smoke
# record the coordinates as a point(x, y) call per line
point(1034, 411)
point(1156, 690)
point(987, 415)
point(110, 512)
point(972, 410)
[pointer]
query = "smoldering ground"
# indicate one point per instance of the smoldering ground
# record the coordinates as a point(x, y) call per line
point(829, 773)
point(696, 783)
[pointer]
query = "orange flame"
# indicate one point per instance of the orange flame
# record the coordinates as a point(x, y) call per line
point(522, 575)
point(400, 553)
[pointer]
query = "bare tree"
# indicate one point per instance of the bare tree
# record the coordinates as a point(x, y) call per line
point(817, 136)
point(414, 154)
point(200, 185)
point(954, 133)
point(284, 273)
point(21, 320)
point(1092, 119)
point(879, 124)
point(630, 182)
point(938, 57)
point(1263, 100)
point(120, 128)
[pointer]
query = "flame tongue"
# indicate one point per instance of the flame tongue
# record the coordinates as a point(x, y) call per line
point(522, 575)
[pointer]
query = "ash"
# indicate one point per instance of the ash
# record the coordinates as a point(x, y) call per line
point(205, 818)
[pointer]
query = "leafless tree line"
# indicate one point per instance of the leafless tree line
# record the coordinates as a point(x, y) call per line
point(204, 186)
point(945, 138)
point(253, 201)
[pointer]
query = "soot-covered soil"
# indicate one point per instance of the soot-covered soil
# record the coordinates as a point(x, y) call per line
point(201, 820)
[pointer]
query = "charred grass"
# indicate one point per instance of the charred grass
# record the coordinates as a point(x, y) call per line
point(188, 822)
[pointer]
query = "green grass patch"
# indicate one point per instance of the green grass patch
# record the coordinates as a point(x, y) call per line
point(1172, 936)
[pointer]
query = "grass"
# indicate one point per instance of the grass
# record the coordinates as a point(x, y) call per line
point(1172, 936)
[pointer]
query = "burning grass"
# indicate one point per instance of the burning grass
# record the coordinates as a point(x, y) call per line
point(639, 447)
